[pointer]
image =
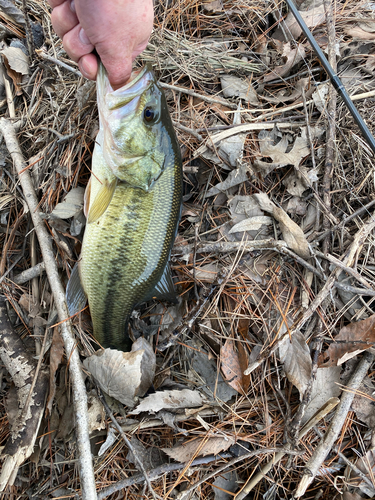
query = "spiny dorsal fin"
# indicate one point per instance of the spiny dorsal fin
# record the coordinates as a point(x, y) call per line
point(101, 201)
point(75, 294)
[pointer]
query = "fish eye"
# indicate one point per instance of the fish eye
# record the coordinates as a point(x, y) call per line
point(149, 114)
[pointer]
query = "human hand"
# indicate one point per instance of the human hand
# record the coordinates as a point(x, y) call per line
point(118, 29)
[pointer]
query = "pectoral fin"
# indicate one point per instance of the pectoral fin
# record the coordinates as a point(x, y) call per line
point(101, 201)
point(164, 290)
point(75, 295)
point(86, 198)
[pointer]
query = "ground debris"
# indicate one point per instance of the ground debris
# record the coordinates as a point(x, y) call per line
point(257, 246)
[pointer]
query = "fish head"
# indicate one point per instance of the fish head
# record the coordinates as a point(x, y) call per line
point(136, 128)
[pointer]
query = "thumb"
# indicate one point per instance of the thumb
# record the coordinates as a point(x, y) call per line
point(118, 70)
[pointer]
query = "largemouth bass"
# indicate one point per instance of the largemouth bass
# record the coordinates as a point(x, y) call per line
point(132, 204)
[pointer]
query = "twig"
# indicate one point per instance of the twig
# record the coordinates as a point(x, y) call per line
point(79, 391)
point(326, 408)
point(157, 473)
point(185, 494)
point(41, 53)
point(313, 465)
point(9, 95)
point(126, 440)
point(187, 323)
point(330, 159)
point(213, 100)
point(30, 273)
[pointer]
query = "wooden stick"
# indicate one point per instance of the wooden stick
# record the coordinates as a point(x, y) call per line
point(79, 390)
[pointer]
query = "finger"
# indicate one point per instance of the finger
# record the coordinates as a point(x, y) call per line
point(118, 71)
point(63, 18)
point(76, 43)
point(55, 3)
point(88, 65)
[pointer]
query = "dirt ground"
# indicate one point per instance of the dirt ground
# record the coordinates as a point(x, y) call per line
point(259, 382)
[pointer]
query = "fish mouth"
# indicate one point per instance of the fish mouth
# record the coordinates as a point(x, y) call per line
point(140, 80)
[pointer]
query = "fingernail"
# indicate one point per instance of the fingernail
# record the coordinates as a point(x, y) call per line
point(72, 6)
point(83, 37)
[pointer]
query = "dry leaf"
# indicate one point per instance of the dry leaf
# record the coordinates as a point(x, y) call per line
point(251, 224)
point(351, 340)
point(173, 399)
point(11, 12)
point(204, 371)
point(229, 149)
point(17, 60)
point(358, 32)
point(293, 96)
point(71, 205)
point(96, 413)
point(55, 357)
point(199, 448)
point(278, 152)
point(238, 87)
point(230, 366)
point(225, 485)
point(292, 233)
point(215, 6)
point(325, 386)
point(365, 464)
point(363, 402)
point(207, 273)
point(295, 355)
point(292, 57)
point(235, 177)
point(297, 182)
point(124, 375)
point(313, 17)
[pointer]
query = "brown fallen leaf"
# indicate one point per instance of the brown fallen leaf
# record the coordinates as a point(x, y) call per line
point(295, 355)
point(292, 57)
point(313, 18)
point(231, 367)
point(124, 375)
point(351, 340)
point(295, 94)
point(55, 357)
point(199, 448)
point(173, 399)
point(358, 32)
point(292, 233)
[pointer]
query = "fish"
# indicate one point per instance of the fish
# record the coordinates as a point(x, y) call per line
point(132, 205)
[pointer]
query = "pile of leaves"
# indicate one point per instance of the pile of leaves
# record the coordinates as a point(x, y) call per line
point(236, 389)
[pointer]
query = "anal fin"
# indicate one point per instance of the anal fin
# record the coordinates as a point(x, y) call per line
point(164, 290)
point(101, 201)
point(75, 295)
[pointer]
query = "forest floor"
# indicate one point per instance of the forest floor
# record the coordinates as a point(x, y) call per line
point(262, 378)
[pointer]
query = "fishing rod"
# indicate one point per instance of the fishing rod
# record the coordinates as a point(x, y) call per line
point(335, 80)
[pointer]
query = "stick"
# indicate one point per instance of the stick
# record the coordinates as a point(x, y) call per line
point(79, 390)
point(126, 440)
point(157, 473)
point(325, 446)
